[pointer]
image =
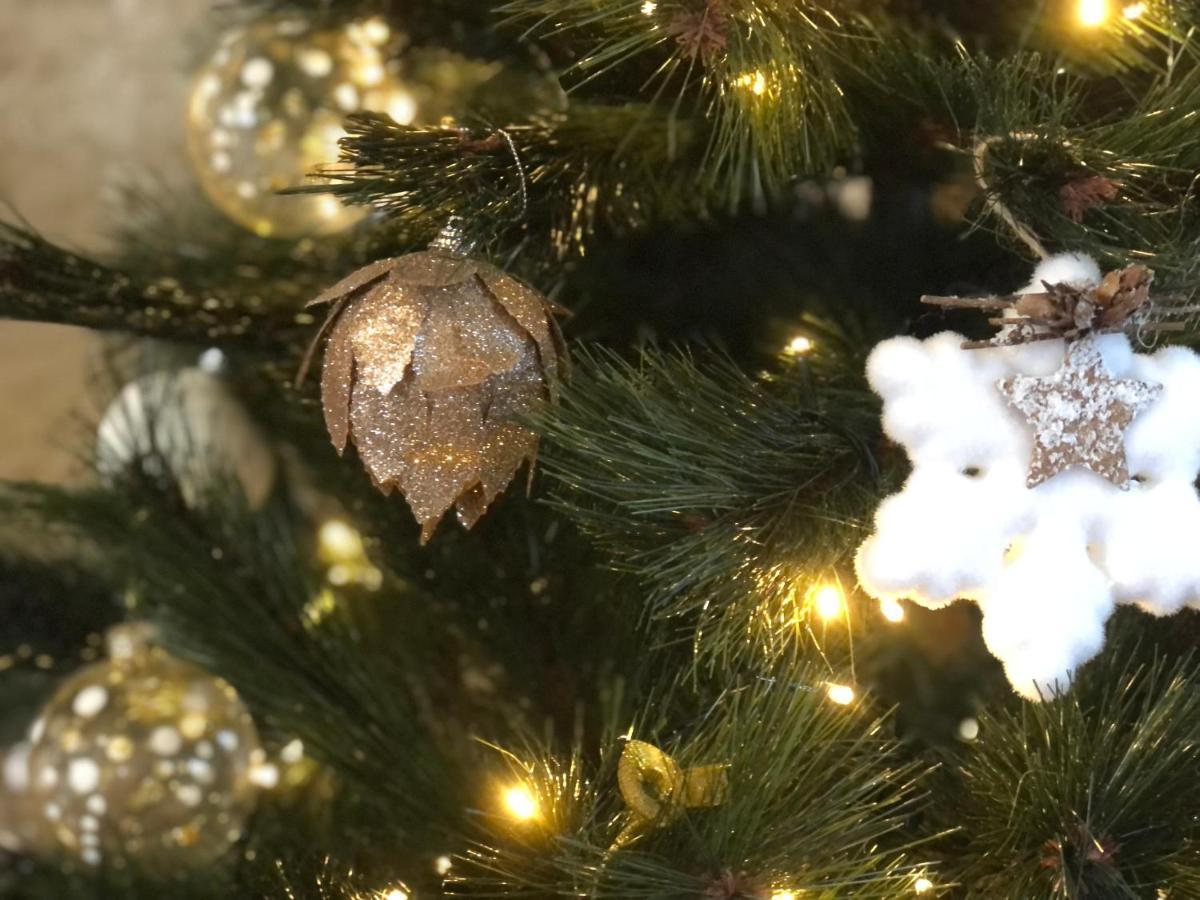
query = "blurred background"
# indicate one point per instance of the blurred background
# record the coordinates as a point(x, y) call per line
point(92, 91)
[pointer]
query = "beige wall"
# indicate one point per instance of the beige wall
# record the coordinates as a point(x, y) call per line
point(91, 91)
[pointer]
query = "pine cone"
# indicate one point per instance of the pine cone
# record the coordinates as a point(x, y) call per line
point(431, 360)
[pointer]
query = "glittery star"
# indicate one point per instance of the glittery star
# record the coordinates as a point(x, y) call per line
point(1079, 415)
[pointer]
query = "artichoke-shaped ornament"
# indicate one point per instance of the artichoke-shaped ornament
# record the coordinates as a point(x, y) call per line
point(431, 360)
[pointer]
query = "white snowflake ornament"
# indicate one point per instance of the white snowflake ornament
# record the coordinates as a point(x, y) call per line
point(1046, 552)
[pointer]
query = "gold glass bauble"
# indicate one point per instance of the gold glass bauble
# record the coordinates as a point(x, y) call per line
point(22, 829)
point(146, 760)
point(268, 108)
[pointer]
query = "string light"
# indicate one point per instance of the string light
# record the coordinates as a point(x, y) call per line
point(320, 607)
point(783, 895)
point(1134, 10)
point(520, 803)
point(829, 601)
point(339, 542)
point(841, 694)
point(800, 345)
point(341, 548)
point(923, 886)
point(892, 610)
point(649, 7)
point(442, 865)
point(968, 729)
point(1093, 13)
point(755, 82)
point(396, 894)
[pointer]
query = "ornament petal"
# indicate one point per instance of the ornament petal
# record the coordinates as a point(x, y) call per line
point(337, 374)
point(530, 309)
point(360, 278)
point(386, 324)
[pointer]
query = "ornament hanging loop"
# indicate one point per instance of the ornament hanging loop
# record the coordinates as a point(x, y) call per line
point(992, 202)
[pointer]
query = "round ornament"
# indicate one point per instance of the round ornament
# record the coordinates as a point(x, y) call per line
point(22, 830)
point(188, 422)
point(143, 759)
point(268, 107)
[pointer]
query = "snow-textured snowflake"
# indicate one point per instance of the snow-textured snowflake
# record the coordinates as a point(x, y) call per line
point(1046, 564)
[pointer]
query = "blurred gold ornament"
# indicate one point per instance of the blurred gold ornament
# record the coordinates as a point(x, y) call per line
point(657, 790)
point(431, 360)
point(267, 109)
point(22, 829)
point(143, 758)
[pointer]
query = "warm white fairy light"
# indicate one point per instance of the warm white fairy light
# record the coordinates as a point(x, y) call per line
point(649, 7)
point(783, 895)
point(396, 894)
point(800, 345)
point(1134, 10)
point(841, 694)
point(968, 729)
point(1093, 13)
point(829, 601)
point(442, 865)
point(755, 82)
point(376, 30)
point(892, 610)
point(923, 886)
point(341, 548)
point(520, 803)
point(339, 542)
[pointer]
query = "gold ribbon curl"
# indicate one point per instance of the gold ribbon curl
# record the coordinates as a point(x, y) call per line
point(657, 790)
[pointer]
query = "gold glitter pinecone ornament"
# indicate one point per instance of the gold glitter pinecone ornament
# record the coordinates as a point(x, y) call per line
point(431, 360)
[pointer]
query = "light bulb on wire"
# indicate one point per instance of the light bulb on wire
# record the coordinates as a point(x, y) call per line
point(841, 694)
point(1093, 13)
point(829, 601)
point(800, 345)
point(520, 803)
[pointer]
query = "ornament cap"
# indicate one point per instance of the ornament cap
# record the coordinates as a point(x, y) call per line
point(453, 238)
point(129, 639)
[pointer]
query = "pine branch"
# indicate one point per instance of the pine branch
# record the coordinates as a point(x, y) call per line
point(46, 283)
point(762, 76)
point(818, 802)
point(728, 499)
point(565, 172)
point(1092, 794)
point(1048, 130)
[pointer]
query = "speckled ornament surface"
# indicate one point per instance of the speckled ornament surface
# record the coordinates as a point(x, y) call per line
point(268, 107)
point(22, 828)
point(143, 759)
point(431, 360)
point(1108, 438)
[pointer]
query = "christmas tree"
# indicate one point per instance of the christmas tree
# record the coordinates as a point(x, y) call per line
point(602, 448)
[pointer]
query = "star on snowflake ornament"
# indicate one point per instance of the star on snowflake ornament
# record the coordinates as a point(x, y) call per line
point(1079, 415)
point(1052, 475)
